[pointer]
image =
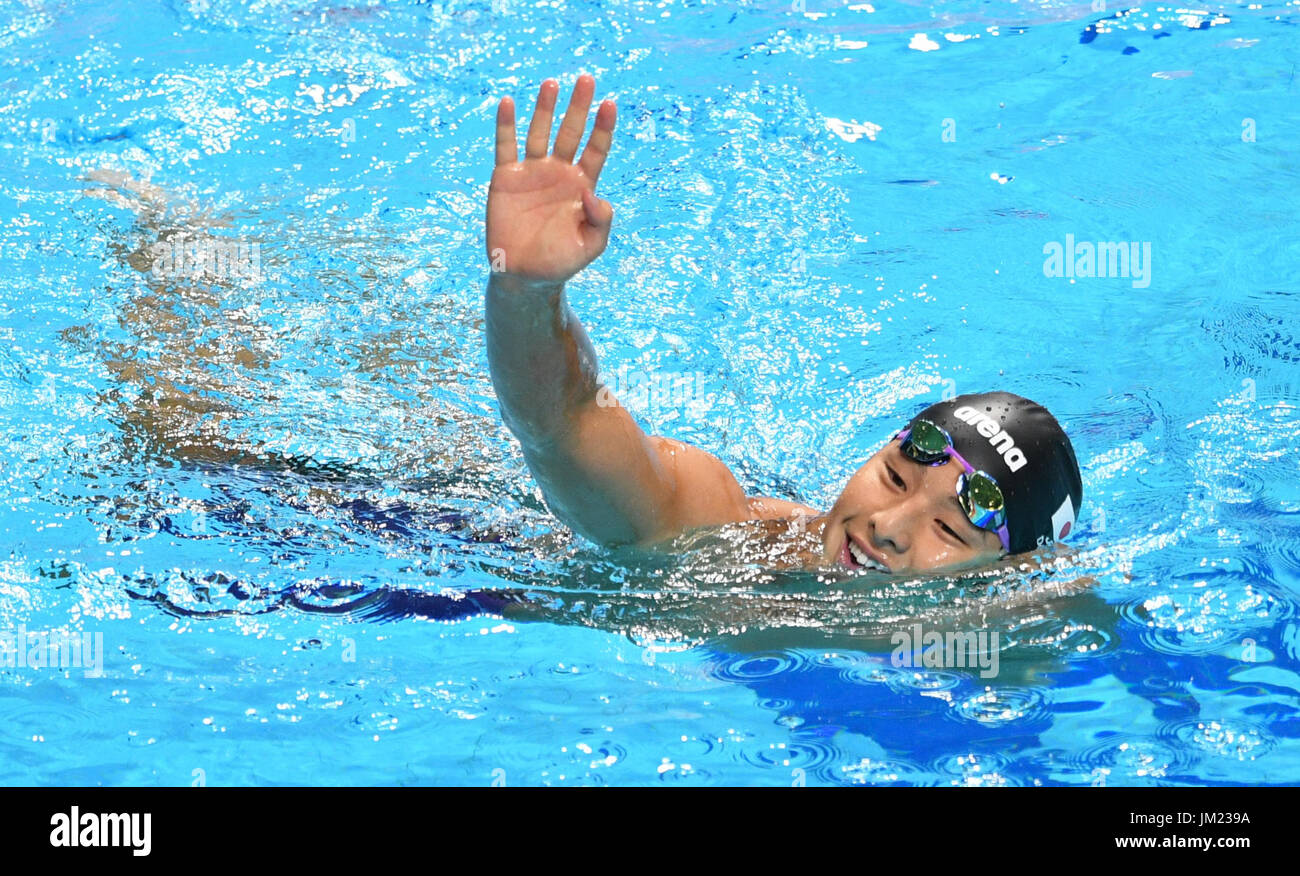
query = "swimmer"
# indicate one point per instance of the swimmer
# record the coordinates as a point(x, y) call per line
point(962, 484)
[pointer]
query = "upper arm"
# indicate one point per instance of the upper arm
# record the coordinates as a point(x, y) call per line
point(609, 481)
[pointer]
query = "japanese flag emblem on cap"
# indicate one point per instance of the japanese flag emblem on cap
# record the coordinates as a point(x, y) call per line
point(1063, 519)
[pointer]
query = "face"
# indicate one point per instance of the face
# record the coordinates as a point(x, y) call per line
point(905, 517)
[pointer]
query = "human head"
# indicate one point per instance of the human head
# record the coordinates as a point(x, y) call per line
point(903, 515)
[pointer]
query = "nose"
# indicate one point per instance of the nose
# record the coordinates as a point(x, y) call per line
point(891, 525)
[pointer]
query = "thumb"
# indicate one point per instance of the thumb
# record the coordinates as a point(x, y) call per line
point(599, 213)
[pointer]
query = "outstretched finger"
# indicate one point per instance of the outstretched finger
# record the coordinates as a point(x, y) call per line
point(539, 129)
point(575, 119)
point(507, 147)
point(597, 149)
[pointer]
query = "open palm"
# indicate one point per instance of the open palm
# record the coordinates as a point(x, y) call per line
point(544, 221)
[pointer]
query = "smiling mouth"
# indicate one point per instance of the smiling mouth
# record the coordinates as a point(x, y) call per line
point(854, 557)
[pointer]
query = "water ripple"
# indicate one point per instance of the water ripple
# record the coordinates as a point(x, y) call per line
point(1206, 616)
point(975, 770)
point(61, 723)
point(924, 681)
point(1127, 759)
point(1236, 740)
point(869, 771)
point(1070, 640)
point(805, 754)
point(1002, 705)
point(756, 667)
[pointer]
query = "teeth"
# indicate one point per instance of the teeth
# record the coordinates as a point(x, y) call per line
point(863, 559)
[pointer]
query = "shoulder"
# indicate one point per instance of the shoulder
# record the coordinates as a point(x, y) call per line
point(707, 493)
point(768, 508)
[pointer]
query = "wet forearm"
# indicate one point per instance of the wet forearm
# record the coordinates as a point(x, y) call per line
point(542, 363)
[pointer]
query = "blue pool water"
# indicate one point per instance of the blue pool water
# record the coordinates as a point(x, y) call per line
point(265, 487)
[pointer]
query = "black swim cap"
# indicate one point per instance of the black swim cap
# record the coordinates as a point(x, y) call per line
point(1025, 450)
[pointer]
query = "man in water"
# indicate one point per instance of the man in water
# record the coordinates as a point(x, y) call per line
point(965, 482)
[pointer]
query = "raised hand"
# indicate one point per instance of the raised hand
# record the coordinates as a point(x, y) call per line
point(544, 221)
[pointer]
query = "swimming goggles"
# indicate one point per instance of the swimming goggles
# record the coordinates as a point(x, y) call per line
point(977, 492)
